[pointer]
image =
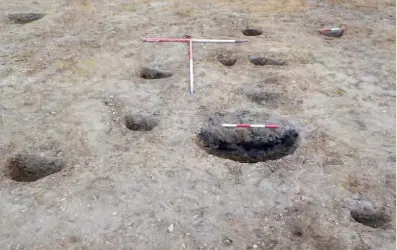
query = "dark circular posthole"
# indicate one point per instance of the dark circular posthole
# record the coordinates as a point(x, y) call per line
point(227, 59)
point(248, 145)
point(32, 167)
point(262, 61)
point(252, 32)
point(22, 18)
point(147, 73)
point(365, 213)
point(139, 122)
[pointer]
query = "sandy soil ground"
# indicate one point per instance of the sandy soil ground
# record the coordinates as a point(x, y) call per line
point(69, 79)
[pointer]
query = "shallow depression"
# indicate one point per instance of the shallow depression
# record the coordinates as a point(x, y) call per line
point(22, 18)
point(227, 59)
point(365, 213)
point(139, 122)
point(32, 167)
point(147, 73)
point(262, 61)
point(252, 32)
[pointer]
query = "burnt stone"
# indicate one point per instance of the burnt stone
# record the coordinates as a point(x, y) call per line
point(332, 32)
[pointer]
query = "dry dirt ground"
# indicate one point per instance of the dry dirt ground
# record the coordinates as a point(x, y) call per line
point(69, 79)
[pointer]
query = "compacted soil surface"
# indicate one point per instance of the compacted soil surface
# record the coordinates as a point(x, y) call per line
point(103, 147)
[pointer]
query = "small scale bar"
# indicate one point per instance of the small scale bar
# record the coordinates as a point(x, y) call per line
point(250, 125)
point(185, 40)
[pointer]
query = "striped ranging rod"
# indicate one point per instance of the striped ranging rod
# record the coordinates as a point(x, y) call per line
point(243, 125)
point(189, 40)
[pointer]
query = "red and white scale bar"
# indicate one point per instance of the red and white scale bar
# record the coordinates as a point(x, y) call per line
point(186, 40)
point(191, 41)
point(191, 66)
point(243, 125)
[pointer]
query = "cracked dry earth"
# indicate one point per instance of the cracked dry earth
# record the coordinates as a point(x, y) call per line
point(100, 141)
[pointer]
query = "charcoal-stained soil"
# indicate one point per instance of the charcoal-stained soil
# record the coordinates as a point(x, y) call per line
point(140, 122)
point(248, 145)
point(25, 167)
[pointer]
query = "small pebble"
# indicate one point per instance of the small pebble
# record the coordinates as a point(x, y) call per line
point(226, 241)
point(255, 246)
point(170, 228)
